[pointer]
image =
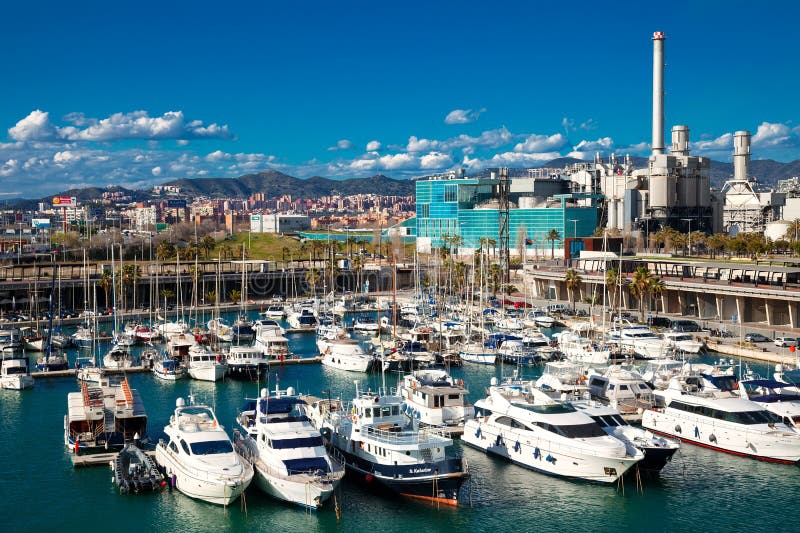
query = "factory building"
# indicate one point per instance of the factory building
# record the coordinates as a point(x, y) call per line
point(450, 205)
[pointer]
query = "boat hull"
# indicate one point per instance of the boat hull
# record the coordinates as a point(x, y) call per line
point(247, 372)
point(207, 373)
point(309, 495)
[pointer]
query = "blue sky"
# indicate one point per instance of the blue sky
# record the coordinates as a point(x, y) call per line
point(96, 93)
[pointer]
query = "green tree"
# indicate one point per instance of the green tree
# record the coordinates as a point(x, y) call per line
point(106, 282)
point(165, 250)
point(614, 281)
point(553, 235)
point(235, 295)
point(167, 294)
point(640, 286)
point(573, 281)
point(211, 297)
point(207, 244)
point(313, 276)
point(655, 288)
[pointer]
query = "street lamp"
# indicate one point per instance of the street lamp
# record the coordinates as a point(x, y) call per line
point(689, 220)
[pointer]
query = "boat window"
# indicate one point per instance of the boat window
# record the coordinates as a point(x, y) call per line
point(619, 421)
point(612, 387)
point(302, 442)
point(578, 431)
point(437, 401)
point(376, 412)
point(623, 387)
point(505, 421)
point(453, 396)
point(596, 382)
point(601, 420)
point(212, 447)
point(185, 447)
point(395, 410)
point(173, 447)
point(519, 425)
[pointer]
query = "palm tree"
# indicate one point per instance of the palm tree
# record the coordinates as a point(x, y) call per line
point(656, 288)
point(165, 250)
point(106, 281)
point(235, 295)
point(167, 294)
point(128, 276)
point(358, 266)
point(207, 244)
point(495, 275)
point(614, 280)
point(313, 276)
point(639, 287)
point(553, 235)
point(573, 281)
point(793, 231)
point(211, 297)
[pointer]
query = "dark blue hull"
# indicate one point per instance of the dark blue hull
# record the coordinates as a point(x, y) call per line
point(439, 481)
point(247, 372)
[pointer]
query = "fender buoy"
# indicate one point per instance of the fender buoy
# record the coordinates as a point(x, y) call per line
point(460, 382)
point(77, 447)
point(355, 419)
point(219, 358)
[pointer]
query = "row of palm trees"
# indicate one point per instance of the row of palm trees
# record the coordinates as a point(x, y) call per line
point(643, 285)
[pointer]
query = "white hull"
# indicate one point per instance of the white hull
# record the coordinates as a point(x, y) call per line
point(563, 461)
point(169, 376)
point(16, 382)
point(301, 492)
point(351, 364)
point(219, 490)
point(207, 373)
point(478, 358)
point(756, 441)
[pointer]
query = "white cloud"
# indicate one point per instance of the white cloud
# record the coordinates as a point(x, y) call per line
point(119, 126)
point(421, 145)
point(9, 167)
point(535, 143)
point(373, 146)
point(435, 161)
point(463, 116)
point(520, 159)
point(342, 144)
point(721, 145)
point(769, 134)
point(155, 171)
point(35, 127)
point(66, 157)
point(600, 145)
point(217, 156)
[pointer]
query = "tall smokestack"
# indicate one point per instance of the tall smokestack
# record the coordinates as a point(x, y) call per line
point(741, 155)
point(658, 92)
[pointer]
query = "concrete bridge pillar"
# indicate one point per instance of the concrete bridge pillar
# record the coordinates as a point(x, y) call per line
point(792, 314)
point(740, 308)
point(768, 311)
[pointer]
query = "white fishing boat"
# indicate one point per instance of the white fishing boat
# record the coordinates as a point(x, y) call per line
point(709, 411)
point(271, 342)
point(199, 458)
point(527, 427)
point(435, 398)
point(15, 373)
point(168, 369)
point(347, 354)
point(286, 452)
point(205, 365)
point(179, 344)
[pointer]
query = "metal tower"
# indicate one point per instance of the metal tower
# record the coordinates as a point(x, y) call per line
point(503, 189)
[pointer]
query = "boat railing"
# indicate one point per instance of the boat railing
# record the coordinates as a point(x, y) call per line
point(203, 473)
point(429, 435)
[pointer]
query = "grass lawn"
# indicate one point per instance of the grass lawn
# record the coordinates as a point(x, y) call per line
point(265, 246)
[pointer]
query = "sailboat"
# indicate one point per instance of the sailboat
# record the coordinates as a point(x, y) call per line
point(50, 361)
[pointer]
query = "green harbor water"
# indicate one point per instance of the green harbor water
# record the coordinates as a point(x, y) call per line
point(700, 490)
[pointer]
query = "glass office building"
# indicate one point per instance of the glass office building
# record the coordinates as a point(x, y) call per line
point(469, 207)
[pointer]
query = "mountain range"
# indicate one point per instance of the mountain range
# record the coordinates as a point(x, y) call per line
point(276, 184)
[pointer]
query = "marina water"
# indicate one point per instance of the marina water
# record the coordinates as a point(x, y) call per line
point(701, 490)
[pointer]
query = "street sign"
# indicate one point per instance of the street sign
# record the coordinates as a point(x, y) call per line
point(176, 204)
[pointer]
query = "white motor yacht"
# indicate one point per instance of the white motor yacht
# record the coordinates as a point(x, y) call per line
point(781, 398)
point(204, 364)
point(562, 377)
point(435, 398)
point(247, 363)
point(641, 340)
point(478, 352)
point(622, 389)
point(15, 373)
point(10, 340)
point(366, 324)
point(347, 354)
point(220, 329)
point(580, 349)
point(286, 452)
point(271, 342)
point(709, 411)
point(178, 345)
point(274, 311)
point(199, 458)
point(682, 342)
point(527, 427)
point(118, 358)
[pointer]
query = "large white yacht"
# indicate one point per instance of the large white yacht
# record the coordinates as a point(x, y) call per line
point(562, 377)
point(347, 354)
point(199, 458)
point(271, 342)
point(435, 398)
point(622, 389)
point(580, 349)
point(781, 398)
point(641, 340)
point(682, 341)
point(287, 453)
point(708, 411)
point(383, 446)
point(527, 427)
point(14, 373)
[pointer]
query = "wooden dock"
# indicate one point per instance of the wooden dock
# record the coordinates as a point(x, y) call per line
point(71, 373)
point(98, 459)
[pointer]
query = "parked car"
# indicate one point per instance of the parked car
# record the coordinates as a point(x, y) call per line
point(689, 326)
point(659, 322)
point(756, 337)
point(785, 342)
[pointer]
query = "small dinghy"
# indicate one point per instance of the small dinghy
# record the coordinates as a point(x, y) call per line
point(135, 471)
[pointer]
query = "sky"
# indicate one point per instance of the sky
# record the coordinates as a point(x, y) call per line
point(139, 93)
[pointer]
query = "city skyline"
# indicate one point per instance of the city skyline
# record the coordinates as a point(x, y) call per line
point(138, 95)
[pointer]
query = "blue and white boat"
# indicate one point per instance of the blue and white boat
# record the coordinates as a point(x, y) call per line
point(385, 448)
point(168, 368)
point(286, 452)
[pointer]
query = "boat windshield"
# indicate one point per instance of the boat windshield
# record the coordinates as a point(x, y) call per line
point(609, 420)
point(11, 370)
point(211, 447)
point(577, 431)
point(547, 409)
